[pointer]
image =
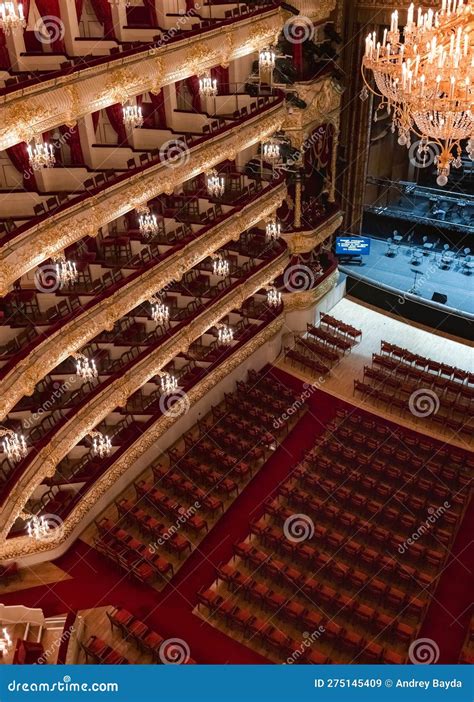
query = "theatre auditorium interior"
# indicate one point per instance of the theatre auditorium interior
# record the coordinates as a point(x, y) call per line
point(236, 359)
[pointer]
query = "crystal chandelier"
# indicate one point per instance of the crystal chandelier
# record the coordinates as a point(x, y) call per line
point(215, 184)
point(168, 383)
point(220, 266)
point(14, 445)
point(271, 151)
point(85, 367)
point(66, 271)
point(426, 81)
point(272, 230)
point(11, 17)
point(207, 86)
point(38, 528)
point(5, 642)
point(273, 297)
point(41, 155)
point(159, 311)
point(147, 222)
point(225, 334)
point(266, 59)
point(132, 116)
point(101, 444)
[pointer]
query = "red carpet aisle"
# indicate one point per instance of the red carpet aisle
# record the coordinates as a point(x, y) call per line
point(95, 583)
point(453, 596)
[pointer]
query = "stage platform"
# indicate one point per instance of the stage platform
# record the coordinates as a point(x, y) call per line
point(391, 284)
point(398, 272)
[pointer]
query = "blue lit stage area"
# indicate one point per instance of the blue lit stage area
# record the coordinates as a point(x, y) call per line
point(422, 282)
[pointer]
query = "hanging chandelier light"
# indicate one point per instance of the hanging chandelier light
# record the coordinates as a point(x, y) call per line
point(132, 116)
point(41, 155)
point(101, 444)
point(207, 86)
point(14, 445)
point(11, 17)
point(425, 76)
point(225, 335)
point(220, 266)
point(272, 230)
point(159, 311)
point(38, 528)
point(168, 383)
point(5, 642)
point(271, 151)
point(266, 59)
point(66, 271)
point(273, 297)
point(147, 222)
point(215, 184)
point(85, 367)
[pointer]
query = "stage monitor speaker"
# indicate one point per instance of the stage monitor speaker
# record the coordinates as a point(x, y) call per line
point(439, 297)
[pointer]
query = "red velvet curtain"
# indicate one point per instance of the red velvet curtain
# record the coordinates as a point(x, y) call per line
point(150, 4)
point(50, 8)
point(298, 58)
point(193, 85)
point(189, 5)
point(115, 115)
point(79, 8)
point(95, 119)
point(158, 102)
point(4, 55)
point(221, 74)
point(18, 155)
point(103, 13)
point(73, 140)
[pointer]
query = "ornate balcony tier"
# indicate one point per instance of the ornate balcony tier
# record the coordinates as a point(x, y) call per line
point(315, 11)
point(306, 239)
point(21, 379)
point(67, 96)
point(84, 215)
point(24, 546)
point(307, 298)
point(323, 106)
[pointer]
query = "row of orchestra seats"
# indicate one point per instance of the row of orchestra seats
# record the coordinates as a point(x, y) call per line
point(347, 545)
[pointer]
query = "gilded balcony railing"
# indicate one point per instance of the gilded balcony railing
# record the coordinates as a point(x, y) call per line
point(65, 98)
point(22, 379)
point(85, 216)
point(24, 546)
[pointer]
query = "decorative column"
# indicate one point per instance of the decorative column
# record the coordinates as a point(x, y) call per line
point(297, 217)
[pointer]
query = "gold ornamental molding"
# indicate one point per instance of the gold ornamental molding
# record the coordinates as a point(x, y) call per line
point(50, 103)
point(24, 546)
point(21, 380)
point(52, 236)
point(323, 106)
point(305, 241)
point(316, 11)
point(307, 298)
